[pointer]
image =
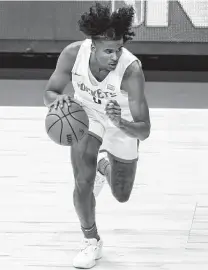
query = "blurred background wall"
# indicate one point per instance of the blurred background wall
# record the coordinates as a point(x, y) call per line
point(171, 41)
point(162, 26)
point(171, 37)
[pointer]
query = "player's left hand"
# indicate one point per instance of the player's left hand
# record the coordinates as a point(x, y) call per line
point(113, 111)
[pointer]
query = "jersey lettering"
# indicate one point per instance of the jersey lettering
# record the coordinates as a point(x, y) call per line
point(97, 94)
point(96, 100)
point(100, 94)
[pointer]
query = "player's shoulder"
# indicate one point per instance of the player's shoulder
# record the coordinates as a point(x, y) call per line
point(72, 49)
point(133, 64)
point(68, 55)
point(134, 69)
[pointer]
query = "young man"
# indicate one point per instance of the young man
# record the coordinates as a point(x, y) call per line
point(109, 83)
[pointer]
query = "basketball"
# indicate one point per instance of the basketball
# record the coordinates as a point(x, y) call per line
point(67, 125)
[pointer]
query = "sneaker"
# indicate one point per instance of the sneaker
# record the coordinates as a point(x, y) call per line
point(90, 251)
point(99, 183)
point(99, 178)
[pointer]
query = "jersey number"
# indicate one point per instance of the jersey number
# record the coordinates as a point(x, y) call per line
point(97, 100)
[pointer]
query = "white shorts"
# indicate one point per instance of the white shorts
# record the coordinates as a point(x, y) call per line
point(114, 141)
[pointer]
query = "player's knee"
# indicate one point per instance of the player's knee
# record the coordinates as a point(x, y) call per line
point(122, 198)
point(86, 164)
point(83, 188)
point(85, 178)
point(121, 194)
point(121, 188)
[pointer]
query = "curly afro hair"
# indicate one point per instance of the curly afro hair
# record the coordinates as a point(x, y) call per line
point(99, 22)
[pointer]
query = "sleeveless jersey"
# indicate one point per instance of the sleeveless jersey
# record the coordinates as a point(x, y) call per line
point(96, 94)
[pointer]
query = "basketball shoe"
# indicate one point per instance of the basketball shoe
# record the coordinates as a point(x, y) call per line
point(100, 177)
point(90, 251)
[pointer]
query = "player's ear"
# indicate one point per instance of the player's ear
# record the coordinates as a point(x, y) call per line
point(93, 47)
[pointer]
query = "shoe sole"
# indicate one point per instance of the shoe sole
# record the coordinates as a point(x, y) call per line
point(78, 267)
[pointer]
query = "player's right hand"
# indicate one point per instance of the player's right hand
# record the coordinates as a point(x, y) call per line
point(60, 100)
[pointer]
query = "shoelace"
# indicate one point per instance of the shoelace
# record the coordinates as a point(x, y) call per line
point(84, 246)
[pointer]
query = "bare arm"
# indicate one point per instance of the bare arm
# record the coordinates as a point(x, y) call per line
point(133, 83)
point(62, 74)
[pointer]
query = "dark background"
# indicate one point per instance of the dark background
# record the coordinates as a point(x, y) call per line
point(33, 33)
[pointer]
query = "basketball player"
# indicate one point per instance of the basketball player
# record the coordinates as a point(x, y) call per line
point(109, 83)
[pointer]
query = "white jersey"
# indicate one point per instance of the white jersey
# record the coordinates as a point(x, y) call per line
point(96, 94)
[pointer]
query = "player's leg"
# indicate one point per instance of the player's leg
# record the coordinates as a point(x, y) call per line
point(84, 163)
point(120, 165)
point(120, 175)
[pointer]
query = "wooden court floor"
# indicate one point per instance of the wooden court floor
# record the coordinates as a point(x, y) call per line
point(163, 226)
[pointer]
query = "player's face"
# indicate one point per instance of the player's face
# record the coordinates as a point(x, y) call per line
point(108, 53)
